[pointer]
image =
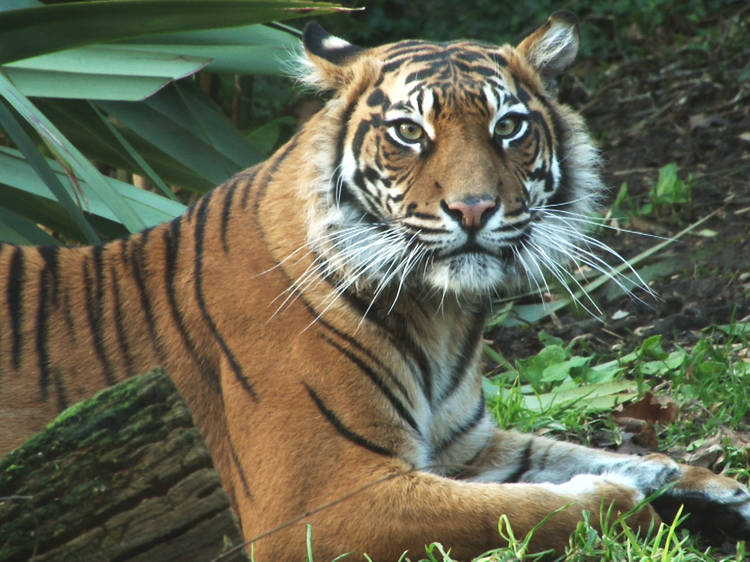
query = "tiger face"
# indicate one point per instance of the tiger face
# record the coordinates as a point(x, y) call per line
point(458, 171)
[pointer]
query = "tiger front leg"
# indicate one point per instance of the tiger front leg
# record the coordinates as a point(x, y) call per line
point(396, 509)
point(718, 507)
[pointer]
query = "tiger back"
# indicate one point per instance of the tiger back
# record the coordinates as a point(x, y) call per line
point(322, 313)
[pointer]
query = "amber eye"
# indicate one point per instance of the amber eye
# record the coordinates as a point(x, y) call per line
point(508, 126)
point(408, 131)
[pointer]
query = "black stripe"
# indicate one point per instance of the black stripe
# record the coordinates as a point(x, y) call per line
point(240, 469)
point(399, 335)
point(15, 302)
point(465, 357)
point(433, 55)
point(341, 141)
point(355, 344)
point(270, 170)
point(120, 333)
point(521, 92)
point(199, 232)
point(226, 210)
point(172, 245)
point(380, 384)
point(137, 265)
point(525, 461)
point(67, 308)
point(463, 429)
point(409, 46)
point(95, 308)
point(249, 177)
point(42, 335)
point(359, 136)
point(564, 193)
point(343, 430)
point(62, 399)
point(49, 254)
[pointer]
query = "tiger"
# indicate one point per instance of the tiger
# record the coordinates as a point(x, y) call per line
point(322, 312)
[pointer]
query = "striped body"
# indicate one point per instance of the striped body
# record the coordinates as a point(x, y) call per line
point(322, 313)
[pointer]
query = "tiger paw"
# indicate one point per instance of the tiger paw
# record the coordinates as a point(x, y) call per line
point(718, 507)
point(615, 493)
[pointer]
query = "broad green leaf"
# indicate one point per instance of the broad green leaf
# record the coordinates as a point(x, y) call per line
point(250, 49)
point(185, 104)
point(133, 153)
point(19, 230)
point(84, 128)
point(44, 172)
point(188, 128)
point(34, 31)
point(594, 397)
point(115, 72)
point(114, 60)
point(50, 213)
point(66, 152)
point(45, 84)
point(152, 208)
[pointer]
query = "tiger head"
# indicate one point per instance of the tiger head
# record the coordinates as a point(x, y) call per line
point(449, 165)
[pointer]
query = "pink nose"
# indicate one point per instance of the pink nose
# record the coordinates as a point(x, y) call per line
point(471, 210)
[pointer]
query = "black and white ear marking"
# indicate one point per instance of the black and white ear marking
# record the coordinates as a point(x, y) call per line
point(322, 44)
point(553, 47)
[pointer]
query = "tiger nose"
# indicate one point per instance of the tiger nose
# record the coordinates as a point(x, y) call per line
point(471, 212)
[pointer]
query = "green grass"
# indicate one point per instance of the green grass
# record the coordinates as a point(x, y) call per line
point(708, 381)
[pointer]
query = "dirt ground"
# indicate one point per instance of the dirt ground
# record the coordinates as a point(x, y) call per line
point(689, 105)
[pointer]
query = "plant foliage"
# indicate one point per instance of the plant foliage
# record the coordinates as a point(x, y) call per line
point(89, 90)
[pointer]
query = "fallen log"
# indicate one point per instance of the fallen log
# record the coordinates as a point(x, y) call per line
point(124, 475)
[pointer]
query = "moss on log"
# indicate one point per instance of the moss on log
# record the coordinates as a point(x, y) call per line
point(122, 476)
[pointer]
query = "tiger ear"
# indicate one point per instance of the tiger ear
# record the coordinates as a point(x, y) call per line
point(553, 47)
point(328, 58)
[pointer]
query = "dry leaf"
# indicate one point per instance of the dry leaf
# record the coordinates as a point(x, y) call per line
point(649, 408)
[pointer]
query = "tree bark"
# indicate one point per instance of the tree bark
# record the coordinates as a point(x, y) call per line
point(122, 476)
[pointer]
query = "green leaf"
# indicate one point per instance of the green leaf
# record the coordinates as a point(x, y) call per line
point(19, 230)
point(591, 397)
point(152, 208)
point(142, 164)
point(184, 126)
point(249, 49)
point(114, 72)
point(85, 129)
point(44, 172)
point(33, 31)
point(66, 152)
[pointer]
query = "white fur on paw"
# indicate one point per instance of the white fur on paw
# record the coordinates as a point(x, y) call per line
point(647, 474)
point(596, 484)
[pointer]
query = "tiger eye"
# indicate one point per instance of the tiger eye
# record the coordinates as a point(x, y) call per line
point(410, 131)
point(507, 126)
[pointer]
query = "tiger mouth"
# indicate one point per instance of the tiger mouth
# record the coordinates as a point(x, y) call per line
point(504, 253)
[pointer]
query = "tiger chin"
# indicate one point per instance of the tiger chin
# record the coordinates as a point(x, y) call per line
point(322, 312)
